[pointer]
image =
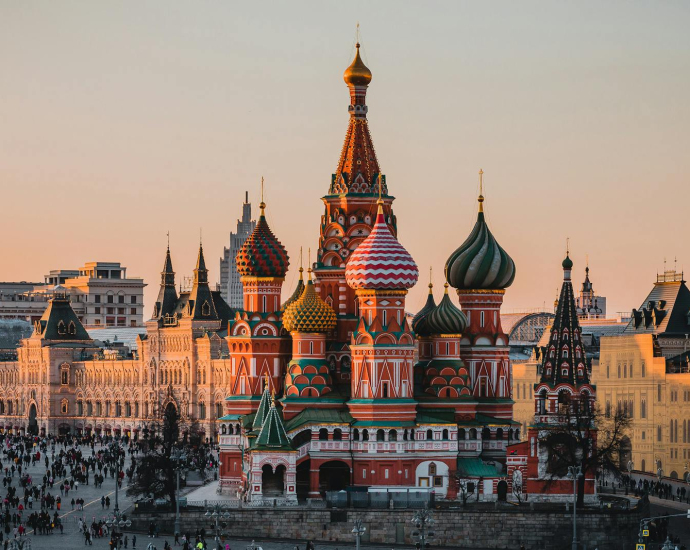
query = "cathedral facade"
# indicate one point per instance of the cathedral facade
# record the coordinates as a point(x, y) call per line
point(333, 388)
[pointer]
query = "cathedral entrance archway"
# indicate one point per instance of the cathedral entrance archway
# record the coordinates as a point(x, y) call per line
point(502, 490)
point(273, 482)
point(33, 422)
point(334, 476)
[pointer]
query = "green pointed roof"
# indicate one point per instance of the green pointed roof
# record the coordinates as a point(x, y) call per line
point(446, 318)
point(264, 406)
point(419, 321)
point(297, 293)
point(273, 434)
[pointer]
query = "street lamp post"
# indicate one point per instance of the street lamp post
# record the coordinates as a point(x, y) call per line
point(358, 530)
point(216, 512)
point(423, 520)
point(574, 472)
point(631, 467)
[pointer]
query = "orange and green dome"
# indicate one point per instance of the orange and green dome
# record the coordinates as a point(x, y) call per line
point(309, 313)
point(262, 254)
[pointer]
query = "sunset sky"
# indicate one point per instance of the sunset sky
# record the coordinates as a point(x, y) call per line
point(120, 121)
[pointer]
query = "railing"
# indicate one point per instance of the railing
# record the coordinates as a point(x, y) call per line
point(380, 499)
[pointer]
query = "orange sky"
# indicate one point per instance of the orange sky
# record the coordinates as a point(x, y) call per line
point(120, 121)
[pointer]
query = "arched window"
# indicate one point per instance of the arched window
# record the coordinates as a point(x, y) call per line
point(380, 435)
point(473, 433)
point(337, 434)
point(323, 434)
point(429, 435)
point(355, 435)
point(444, 435)
point(365, 435)
point(461, 434)
point(499, 433)
point(486, 433)
point(432, 469)
point(392, 435)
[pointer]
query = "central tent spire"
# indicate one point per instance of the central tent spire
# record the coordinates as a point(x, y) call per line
point(358, 168)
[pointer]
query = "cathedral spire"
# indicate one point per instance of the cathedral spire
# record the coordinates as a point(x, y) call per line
point(564, 359)
point(201, 303)
point(167, 295)
point(358, 168)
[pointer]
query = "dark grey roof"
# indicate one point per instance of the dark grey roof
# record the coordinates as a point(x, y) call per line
point(59, 322)
point(665, 311)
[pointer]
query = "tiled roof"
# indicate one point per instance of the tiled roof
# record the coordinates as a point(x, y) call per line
point(475, 468)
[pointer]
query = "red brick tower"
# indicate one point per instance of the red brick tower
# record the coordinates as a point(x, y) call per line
point(350, 213)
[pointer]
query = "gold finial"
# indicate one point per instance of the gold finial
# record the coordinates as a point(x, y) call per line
point(357, 74)
point(168, 240)
point(481, 190)
point(445, 288)
point(431, 285)
point(567, 246)
point(266, 381)
point(309, 268)
point(301, 269)
point(273, 398)
point(263, 204)
point(357, 34)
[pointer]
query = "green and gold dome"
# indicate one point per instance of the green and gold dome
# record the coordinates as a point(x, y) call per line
point(309, 313)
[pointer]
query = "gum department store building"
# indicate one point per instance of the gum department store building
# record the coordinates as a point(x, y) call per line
point(318, 393)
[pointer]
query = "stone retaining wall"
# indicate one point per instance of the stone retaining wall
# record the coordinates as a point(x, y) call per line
point(473, 527)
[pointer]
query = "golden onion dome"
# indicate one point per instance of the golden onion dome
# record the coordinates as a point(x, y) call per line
point(357, 74)
point(309, 313)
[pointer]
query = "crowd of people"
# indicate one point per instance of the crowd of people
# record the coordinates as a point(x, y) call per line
point(33, 504)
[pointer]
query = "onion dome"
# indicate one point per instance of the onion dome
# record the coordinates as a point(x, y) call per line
point(299, 289)
point(357, 74)
point(445, 318)
point(479, 262)
point(420, 321)
point(262, 254)
point(309, 313)
point(380, 261)
point(567, 263)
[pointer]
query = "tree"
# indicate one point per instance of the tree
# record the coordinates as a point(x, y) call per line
point(463, 485)
point(587, 438)
point(155, 470)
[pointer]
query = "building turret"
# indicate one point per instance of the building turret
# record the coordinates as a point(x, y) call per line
point(308, 380)
point(381, 271)
point(480, 270)
point(262, 262)
point(201, 306)
point(167, 295)
point(349, 207)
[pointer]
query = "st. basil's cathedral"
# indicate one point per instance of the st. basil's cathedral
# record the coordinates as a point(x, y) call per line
point(336, 388)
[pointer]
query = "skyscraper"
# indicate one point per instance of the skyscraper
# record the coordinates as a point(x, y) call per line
point(230, 285)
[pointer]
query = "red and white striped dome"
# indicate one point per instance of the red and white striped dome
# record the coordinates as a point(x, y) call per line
point(380, 261)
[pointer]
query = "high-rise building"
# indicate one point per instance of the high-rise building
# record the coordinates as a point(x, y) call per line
point(230, 284)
